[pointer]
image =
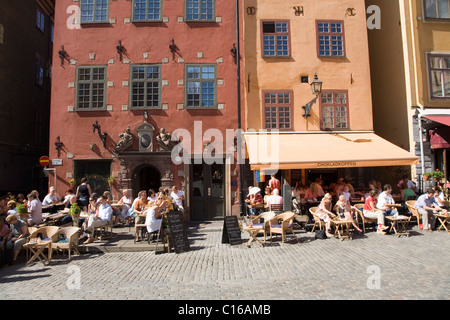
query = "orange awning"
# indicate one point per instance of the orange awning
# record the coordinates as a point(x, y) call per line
point(283, 151)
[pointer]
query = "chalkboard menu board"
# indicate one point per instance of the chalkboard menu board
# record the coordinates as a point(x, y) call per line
point(178, 234)
point(231, 233)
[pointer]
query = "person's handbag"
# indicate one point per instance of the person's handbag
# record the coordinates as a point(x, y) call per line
point(320, 234)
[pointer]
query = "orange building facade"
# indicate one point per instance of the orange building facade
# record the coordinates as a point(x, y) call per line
point(328, 134)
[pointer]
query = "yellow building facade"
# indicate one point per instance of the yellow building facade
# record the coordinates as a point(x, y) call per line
point(410, 67)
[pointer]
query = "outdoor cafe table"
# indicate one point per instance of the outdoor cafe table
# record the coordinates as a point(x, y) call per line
point(443, 219)
point(53, 218)
point(342, 229)
point(399, 222)
point(37, 249)
point(253, 231)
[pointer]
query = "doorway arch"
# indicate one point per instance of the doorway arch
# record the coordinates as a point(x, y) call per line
point(145, 177)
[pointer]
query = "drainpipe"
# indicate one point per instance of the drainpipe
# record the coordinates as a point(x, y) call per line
point(239, 146)
point(422, 156)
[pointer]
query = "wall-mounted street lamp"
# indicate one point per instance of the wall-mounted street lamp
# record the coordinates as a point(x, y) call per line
point(316, 88)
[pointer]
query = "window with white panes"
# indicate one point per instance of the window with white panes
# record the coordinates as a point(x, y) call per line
point(91, 88)
point(437, 9)
point(200, 86)
point(277, 109)
point(330, 39)
point(147, 10)
point(200, 10)
point(145, 86)
point(275, 39)
point(439, 75)
point(334, 110)
point(94, 11)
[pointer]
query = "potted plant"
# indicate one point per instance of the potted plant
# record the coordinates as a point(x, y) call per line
point(72, 182)
point(427, 175)
point(438, 175)
point(22, 211)
point(75, 211)
point(110, 180)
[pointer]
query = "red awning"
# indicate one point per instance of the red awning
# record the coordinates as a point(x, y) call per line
point(440, 138)
point(441, 119)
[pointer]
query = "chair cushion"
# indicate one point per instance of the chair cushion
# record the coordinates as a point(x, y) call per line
point(258, 224)
point(278, 225)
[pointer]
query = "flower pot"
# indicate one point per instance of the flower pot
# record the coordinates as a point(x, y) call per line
point(75, 221)
point(425, 178)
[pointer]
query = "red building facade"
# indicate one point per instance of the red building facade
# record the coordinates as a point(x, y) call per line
point(123, 71)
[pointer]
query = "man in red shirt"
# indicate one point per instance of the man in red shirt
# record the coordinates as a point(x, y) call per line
point(274, 183)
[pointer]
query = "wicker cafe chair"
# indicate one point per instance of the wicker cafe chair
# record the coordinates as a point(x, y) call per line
point(415, 213)
point(317, 221)
point(277, 208)
point(265, 216)
point(281, 224)
point(66, 239)
point(359, 210)
point(46, 232)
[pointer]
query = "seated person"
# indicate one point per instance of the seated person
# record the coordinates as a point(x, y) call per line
point(126, 202)
point(407, 193)
point(370, 211)
point(69, 198)
point(426, 205)
point(384, 199)
point(324, 213)
point(155, 213)
point(299, 195)
point(19, 231)
point(34, 209)
point(274, 199)
point(267, 194)
point(254, 200)
point(99, 219)
point(344, 211)
point(51, 198)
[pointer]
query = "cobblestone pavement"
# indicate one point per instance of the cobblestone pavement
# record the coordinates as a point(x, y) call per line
point(370, 267)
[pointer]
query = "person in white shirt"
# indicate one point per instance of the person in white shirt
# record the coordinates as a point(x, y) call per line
point(275, 199)
point(34, 209)
point(69, 198)
point(386, 198)
point(51, 198)
point(177, 198)
point(100, 218)
point(126, 202)
point(409, 184)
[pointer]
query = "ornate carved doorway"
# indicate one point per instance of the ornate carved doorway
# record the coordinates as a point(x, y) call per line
point(146, 177)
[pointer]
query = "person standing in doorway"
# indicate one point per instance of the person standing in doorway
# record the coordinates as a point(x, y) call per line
point(83, 193)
